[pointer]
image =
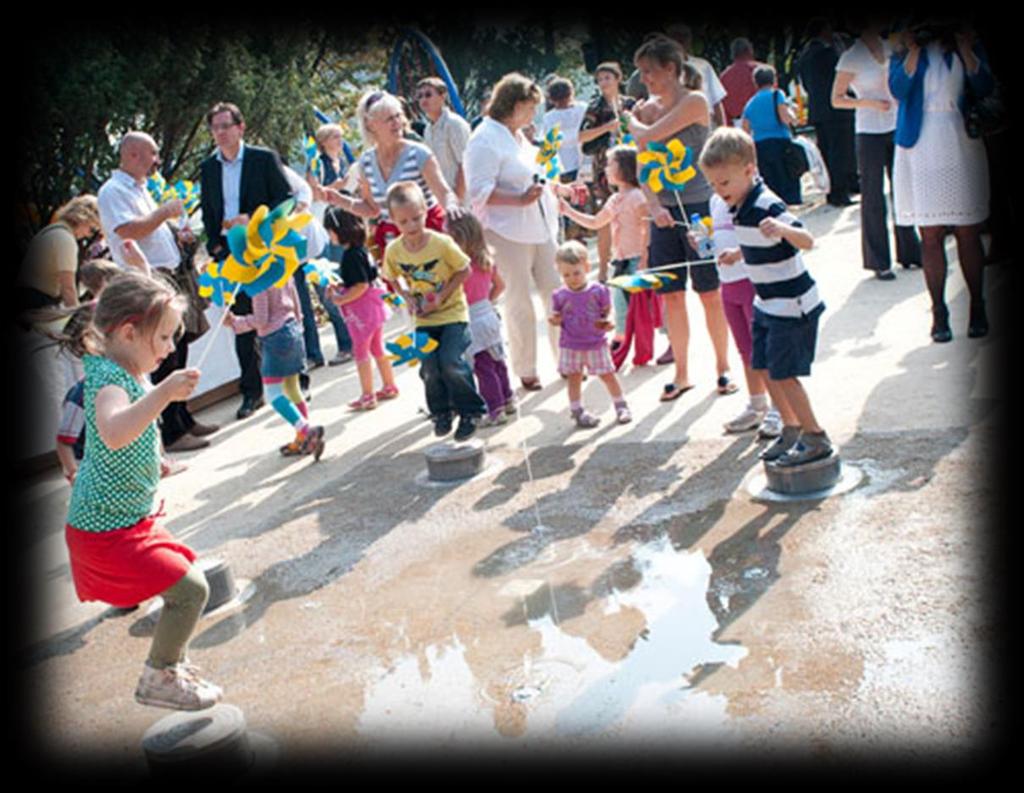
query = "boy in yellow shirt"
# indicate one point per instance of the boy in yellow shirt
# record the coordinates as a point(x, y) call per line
point(427, 268)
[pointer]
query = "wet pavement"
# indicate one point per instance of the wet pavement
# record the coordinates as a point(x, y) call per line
point(622, 591)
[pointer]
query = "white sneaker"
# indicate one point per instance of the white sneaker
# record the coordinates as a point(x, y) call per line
point(771, 426)
point(622, 415)
point(177, 687)
point(493, 421)
point(749, 419)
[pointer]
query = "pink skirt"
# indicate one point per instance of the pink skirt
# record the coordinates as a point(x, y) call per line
point(126, 566)
point(598, 361)
point(365, 315)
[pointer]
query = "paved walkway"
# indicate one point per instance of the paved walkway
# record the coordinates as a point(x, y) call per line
point(631, 594)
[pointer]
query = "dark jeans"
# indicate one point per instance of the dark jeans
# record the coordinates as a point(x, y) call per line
point(772, 165)
point(447, 376)
point(247, 349)
point(835, 141)
point(875, 157)
point(341, 334)
point(175, 420)
point(310, 335)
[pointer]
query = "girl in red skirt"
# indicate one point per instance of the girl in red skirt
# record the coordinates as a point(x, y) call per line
point(119, 552)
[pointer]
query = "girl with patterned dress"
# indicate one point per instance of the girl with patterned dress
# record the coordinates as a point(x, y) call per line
point(120, 552)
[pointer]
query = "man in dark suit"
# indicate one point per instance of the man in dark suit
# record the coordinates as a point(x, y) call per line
point(236, 180)
point(833, 127)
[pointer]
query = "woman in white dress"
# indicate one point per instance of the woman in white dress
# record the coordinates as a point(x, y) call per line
point(940, 173)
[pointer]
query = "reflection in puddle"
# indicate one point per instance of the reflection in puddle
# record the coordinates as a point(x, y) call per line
point(568, 689)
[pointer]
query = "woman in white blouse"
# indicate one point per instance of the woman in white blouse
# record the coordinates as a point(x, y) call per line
point(519, 216)
point(864, 68)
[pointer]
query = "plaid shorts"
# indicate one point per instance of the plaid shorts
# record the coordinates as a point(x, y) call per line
point(597, 361)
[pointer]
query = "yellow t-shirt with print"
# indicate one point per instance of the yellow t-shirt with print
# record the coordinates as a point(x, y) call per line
point(425, 272)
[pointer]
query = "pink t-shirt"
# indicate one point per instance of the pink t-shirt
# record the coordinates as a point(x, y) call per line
point(627, 211)
point(271, 309)
point(478, 286)
point(581, 311)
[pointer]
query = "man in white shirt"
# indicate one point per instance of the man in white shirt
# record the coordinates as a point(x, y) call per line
point(446, 132)
point(128, 212)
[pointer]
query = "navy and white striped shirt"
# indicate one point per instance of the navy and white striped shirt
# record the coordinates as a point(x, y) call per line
point(784, 287)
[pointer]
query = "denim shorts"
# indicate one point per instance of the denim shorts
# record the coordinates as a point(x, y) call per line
point(284, 352)
point(785, 345)
point(670, 245)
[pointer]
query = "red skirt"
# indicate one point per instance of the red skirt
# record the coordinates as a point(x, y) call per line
point(126, 566)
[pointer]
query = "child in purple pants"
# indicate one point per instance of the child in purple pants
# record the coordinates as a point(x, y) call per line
point(482, 288)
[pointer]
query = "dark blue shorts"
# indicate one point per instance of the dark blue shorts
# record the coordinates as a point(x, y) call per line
point(670, 245)
point(784, 345)
point(284, 352)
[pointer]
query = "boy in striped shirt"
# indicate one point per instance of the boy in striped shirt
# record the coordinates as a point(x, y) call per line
point(787, 306)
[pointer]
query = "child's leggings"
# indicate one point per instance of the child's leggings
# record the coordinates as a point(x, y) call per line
point(368, 345)
point(738, 302)
point(183, 604)
point(492, 377)
point(286, 398)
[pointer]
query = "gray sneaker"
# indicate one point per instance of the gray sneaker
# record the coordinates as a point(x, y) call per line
point(786, 440)
point(771, 426)
point(585, 420)
point(177, 687)
point(749, 419)
point(808, 449)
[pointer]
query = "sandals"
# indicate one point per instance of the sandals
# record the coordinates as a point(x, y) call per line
point(673, 392)
point(365, 402)
point(531, 383)
point(726, 386)
point(388, 392)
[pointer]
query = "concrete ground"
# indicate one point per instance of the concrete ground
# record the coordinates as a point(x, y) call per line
point(622, 591)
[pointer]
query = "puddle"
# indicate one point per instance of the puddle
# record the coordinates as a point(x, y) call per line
point(567, 689)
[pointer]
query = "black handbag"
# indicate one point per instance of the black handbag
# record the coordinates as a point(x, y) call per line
point(185, 281)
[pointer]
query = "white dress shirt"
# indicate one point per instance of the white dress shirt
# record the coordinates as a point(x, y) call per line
point(124, 200)
point(231, 182)
point(498, 160)
point(447, 138)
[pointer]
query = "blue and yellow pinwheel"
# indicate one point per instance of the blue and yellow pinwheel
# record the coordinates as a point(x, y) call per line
point(393, 299)
point(411, 348)
point(213, 286)
point(666, 167)
point(188, 192)
point(321, 271)
point(314, 164)
point(268, 250)
point(638, 282)
point(547, 154)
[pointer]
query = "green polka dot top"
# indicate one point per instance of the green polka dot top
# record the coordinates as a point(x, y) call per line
point(114, 488)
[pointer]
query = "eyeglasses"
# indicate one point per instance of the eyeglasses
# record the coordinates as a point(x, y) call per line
point(222, 127)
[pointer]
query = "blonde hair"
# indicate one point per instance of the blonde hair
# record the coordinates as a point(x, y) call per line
point(469, 235)
point(95, 274)
point(79, 211)
point(573, 252)
point(372, 102)
point(325, 131)
point(402, 194)
point(130, 298)
point(728, 145)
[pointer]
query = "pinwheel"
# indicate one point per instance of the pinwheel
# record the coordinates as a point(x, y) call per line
point(314, 164)
point(264, 253)
point(393, 299)
point(666, 167)
point(641, 281)
point(188, 192)
point(547, 154)
point(411, 348)
point(157, 187)
point(268, 250)
point(214, 287)
point(321, 271)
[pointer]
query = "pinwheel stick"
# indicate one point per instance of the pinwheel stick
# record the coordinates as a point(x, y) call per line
point(697, 263)
point(220, 324)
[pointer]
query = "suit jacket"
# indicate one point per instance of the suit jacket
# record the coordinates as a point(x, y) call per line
point(263, 182)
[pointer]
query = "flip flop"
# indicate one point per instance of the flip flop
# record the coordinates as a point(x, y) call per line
point(672, 391)
point(726, 386)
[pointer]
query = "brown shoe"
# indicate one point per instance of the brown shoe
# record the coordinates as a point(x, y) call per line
point(201, 430)
point(188, 443)
point(666, 357)
point(531, 383)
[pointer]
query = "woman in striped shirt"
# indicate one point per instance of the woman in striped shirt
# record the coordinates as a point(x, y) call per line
point(391, 159)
